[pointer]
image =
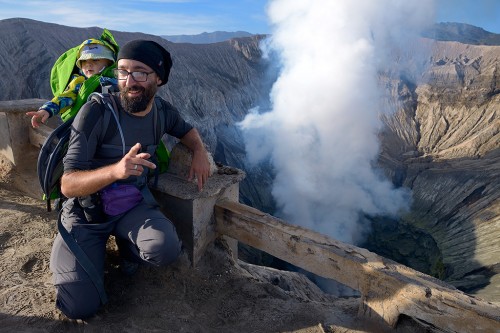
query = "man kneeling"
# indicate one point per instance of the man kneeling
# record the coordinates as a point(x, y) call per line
point(100, 169)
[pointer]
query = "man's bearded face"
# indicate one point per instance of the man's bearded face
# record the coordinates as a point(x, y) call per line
point(137, 103)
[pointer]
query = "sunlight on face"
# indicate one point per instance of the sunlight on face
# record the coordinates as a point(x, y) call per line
point(94, 66)
point(137, 96)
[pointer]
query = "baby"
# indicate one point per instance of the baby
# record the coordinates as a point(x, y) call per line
point(93, 58)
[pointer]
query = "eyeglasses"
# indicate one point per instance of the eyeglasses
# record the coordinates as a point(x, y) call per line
point(122, 74)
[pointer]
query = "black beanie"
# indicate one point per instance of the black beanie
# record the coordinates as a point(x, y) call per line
point(149, 53)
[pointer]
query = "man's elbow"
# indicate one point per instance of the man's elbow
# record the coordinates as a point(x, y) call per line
point(65, 188)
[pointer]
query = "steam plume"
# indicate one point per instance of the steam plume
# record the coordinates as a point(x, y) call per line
point(321, 134)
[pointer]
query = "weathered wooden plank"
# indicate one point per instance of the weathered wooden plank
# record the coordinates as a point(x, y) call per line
point(388, 289)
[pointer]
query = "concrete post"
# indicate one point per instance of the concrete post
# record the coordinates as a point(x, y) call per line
point(14, 125)
point(191, 211)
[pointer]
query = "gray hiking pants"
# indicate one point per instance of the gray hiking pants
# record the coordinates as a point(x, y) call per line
point(143, 234)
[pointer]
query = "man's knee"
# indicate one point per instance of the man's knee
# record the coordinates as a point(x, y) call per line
point(159, 243)
point(78, 300)
point(171, 251)
point(162, 252)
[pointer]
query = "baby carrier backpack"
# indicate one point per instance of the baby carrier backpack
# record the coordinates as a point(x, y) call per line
point(49, 164)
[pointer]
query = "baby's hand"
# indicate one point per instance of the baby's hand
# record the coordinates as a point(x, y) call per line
point(38, 117)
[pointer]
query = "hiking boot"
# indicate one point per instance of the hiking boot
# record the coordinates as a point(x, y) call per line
point(127, 267)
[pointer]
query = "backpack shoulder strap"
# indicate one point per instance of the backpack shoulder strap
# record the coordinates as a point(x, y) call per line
point(162, 155)
point(110, 105)
point(161, 117)
point(106, 117)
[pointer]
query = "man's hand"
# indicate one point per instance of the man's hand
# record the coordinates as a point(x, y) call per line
point(85, 182)
point(133, 163)
point(200, 167)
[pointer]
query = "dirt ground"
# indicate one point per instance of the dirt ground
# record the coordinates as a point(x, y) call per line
point(219, 295)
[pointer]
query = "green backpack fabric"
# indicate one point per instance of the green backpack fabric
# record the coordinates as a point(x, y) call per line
point(65, 67)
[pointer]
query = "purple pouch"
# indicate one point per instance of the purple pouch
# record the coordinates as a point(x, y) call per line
point(119, 198)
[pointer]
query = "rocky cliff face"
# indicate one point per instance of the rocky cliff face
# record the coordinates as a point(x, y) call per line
point(442, 142)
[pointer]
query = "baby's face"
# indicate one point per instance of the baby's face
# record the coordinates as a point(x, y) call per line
point(94, 66)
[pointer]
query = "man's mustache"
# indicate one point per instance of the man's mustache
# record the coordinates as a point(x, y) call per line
point(133, 88)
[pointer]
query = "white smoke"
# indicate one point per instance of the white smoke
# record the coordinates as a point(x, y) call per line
point(321, 134)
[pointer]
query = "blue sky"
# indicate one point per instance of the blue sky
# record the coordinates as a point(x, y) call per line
point(176, 17)
point(481, 13)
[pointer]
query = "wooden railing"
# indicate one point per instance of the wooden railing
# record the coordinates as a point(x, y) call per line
point(387, 288)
